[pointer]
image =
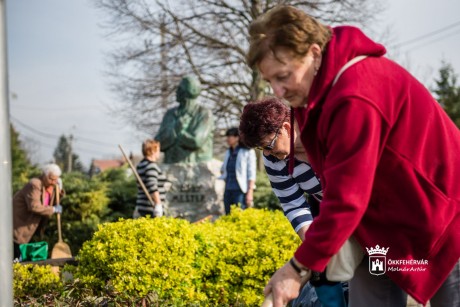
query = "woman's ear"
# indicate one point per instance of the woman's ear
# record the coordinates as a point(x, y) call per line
point(315, 49)
point(287, 126)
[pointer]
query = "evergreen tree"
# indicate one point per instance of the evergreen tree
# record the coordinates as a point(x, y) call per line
point(63, 155)
point(22, 168)
point(447, 92)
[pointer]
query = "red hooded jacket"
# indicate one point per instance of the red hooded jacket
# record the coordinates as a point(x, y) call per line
point(389, 161)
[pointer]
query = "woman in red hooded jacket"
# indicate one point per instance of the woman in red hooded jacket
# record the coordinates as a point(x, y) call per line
point(385, 151)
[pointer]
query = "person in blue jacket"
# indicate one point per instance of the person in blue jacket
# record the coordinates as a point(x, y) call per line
point(239, 172)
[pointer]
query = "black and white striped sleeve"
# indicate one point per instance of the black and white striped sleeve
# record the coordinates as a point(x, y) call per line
point(289, 192)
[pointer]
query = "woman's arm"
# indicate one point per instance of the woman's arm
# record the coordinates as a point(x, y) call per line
point(291, 196)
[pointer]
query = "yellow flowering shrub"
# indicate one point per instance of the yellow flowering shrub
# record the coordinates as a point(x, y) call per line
point(137, 257)
point(240, 252)
point(33, 280)
point(226, 262)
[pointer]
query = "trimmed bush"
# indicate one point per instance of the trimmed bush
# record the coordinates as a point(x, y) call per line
point(31, 280)
point(227, 262)
point(137, 257)
point(240, 252)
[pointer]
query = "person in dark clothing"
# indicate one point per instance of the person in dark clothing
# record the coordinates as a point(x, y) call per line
point(239, 172)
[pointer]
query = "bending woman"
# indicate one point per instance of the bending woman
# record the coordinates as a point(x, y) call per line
point(386, 154)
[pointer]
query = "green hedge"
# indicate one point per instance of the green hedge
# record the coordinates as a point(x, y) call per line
point(240, 252)
point(227, 262)
point(34, 280)
point(169, 262)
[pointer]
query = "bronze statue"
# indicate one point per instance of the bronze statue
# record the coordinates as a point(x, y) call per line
point(186, 131)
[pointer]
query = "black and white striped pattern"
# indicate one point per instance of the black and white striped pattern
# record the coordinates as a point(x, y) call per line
point(291, 190)
point(153, 179)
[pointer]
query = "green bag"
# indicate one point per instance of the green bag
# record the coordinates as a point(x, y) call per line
point(34, 251)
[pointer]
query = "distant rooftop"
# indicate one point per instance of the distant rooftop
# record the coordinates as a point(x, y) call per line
point(99, 166)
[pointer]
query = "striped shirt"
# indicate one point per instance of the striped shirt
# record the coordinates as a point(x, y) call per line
point(291, 190)
point(153, 179)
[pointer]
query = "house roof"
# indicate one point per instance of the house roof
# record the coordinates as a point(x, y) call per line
point(102, 165)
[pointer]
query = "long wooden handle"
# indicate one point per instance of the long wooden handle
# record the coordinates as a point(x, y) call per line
point(141, 183)
point(58, 216)
point(268, 301)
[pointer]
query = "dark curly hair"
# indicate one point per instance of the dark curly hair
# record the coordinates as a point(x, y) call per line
point(261, 118)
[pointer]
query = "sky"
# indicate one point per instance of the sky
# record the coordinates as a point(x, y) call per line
point(56, 55)
point(56, 65)
point(423, 34)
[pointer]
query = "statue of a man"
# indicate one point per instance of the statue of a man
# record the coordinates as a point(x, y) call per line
point(186, 131)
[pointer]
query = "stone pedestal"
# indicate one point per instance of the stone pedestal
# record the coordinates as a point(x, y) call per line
point(194, 192)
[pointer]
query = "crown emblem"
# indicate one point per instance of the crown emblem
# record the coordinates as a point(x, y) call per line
point(377, 250)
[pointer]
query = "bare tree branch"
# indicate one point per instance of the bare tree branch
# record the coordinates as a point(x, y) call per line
point(160, 41)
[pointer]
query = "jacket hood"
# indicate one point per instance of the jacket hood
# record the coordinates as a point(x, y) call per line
point(346, 43)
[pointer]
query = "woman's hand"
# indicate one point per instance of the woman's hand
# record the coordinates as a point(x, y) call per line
point(249, 198)
point(285, 285)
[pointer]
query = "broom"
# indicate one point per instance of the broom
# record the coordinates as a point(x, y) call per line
point(60, 249)
point(139, 180)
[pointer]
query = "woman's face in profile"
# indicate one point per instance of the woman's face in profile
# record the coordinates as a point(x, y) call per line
point(290, 77)
point(280, 142)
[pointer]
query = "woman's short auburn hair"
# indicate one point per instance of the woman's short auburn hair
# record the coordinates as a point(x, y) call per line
point(284, 27)
point(261, 118)
point(149, 147)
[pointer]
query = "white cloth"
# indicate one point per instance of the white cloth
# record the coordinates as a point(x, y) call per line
point(245, 167)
